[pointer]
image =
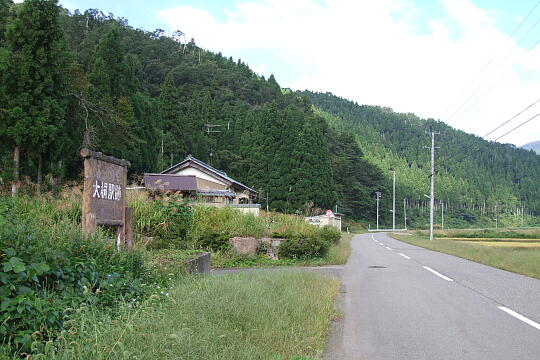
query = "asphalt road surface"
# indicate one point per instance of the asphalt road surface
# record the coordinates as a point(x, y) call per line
point(405, 302)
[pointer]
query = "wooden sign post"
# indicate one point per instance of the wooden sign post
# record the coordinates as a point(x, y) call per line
point(104, 196)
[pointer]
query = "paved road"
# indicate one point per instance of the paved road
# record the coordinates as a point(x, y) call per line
point(405, 302)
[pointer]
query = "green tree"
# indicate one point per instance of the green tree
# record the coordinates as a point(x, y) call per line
point(5, 6)
point(35, 81)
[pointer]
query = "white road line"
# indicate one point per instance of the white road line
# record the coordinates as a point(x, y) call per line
point(389, 248)
point(520, 317)
point(438, 274)
point(405, 256)
point(373, 237)
point(381, 244)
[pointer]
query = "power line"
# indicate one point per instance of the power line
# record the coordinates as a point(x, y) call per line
point(517, 127)
point(512, 118)
point(492, 85)
point(497, 81)
point(495, 56)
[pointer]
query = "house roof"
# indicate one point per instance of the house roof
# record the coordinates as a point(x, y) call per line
point(225, 193)
point(170, 182)
point(207, 168)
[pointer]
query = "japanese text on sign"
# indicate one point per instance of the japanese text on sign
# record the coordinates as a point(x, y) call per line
point(107, 191)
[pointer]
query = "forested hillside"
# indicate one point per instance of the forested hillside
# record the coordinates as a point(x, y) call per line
point(87, 79)
point(475, 176)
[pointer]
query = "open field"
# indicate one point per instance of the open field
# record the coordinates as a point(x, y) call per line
point(516, 255)
point(515, 244)
point(513, 233)
point(277, 315)
point(498, 239)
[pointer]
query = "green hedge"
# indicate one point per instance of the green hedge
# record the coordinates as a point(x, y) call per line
point(313, 245)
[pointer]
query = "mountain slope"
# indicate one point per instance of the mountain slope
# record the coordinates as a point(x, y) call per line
point(534, 146)
point(152, 99)
point(471, 172)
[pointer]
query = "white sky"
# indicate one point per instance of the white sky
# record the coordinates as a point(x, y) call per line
point(386, 52)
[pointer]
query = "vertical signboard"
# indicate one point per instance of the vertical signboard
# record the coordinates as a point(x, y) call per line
point(104, 196)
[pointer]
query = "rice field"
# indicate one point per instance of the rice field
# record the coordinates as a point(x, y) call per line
point(512, 244)
point(518, 253)
point(517, 241)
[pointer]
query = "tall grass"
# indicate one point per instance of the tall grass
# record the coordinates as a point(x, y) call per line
point(521, 260)
point(278, 315)
point(339, 254)
point(281, 224)
point(225, 221)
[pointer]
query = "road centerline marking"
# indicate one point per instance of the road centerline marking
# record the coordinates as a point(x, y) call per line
point(437, 273)
point(381, 244)
point(520, 317)
point(405, 256)
point(389, 248)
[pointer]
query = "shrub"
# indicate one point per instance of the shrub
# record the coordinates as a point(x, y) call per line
point(226, 221)
point(304, 240)
point(302, 248)
point(214, 241)
point(330, 234)
point(285, 226)
point(46, 269)
point(168, 222)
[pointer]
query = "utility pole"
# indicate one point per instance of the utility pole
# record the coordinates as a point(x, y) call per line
point(212, 128)
point(405, 212)
point(378, 194)
point(442, 215)
point(432, 194)
point(394, 202)
point(496, 216)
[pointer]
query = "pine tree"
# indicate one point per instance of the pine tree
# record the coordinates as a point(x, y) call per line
point(173, 143)
point(35, 81)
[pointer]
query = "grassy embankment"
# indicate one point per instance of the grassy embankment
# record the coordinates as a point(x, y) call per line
point(72, 296)
point(512, 250)
point(337, 255)
point(278, 315)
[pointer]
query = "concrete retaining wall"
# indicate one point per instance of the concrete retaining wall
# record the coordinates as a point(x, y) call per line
point(248, 246)
point(199, 265)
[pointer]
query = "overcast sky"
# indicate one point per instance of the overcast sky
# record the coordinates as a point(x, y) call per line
point(468, 63)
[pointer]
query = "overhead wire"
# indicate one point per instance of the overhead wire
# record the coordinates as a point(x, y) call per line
point(512, 118)
point(492, 86)
point(499, 79)
point(464, 91)
point(517, 127)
